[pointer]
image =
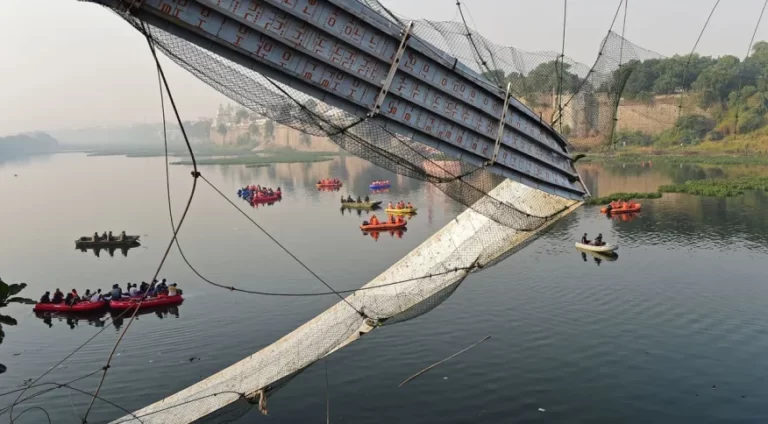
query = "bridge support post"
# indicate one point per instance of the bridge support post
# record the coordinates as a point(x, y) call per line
point(392, 70)
point(502, 124)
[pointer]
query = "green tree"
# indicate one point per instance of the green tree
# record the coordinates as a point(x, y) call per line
point(241, 114)
point(8, 295)
point(269, 129)
point(221, 129)
point(545, 78)
point(716, 82)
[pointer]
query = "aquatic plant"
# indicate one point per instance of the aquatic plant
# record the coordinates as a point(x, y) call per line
point(6, 291)
point(718, 188)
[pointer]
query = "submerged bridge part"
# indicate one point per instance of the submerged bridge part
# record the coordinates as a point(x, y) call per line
point(345, 54)
point(469, 242)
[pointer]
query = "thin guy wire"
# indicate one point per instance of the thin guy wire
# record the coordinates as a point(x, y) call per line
point(690, 57)
point(195, 174)
point(562, 67)
point(741, 71)
point(618, 92)
point(599, 55)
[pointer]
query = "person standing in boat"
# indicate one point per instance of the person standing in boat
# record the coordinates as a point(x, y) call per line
point(122, 236)
point(367, 199)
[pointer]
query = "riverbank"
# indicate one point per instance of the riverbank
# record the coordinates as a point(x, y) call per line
point(680, 157)
point(709, 188)
point(265, 158)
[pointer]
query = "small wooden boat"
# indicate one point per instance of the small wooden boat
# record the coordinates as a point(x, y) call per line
point(89, 242)
point(84, 306)
point(361, 205)
point(606, 248)
point(382, 226)
point(150, 302)
point(403, 211)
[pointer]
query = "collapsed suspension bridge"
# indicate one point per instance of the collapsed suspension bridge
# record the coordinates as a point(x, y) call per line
point(348, 70)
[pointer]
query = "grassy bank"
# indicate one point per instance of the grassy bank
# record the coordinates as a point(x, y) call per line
point(265, 158)
point(677, 158)
point(148, 152)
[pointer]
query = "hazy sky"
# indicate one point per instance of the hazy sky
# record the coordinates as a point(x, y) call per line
point(68, 64)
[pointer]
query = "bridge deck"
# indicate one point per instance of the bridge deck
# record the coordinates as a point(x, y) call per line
point(347, 55)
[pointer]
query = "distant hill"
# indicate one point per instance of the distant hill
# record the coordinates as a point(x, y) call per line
point(136, 136)
point(26, 144)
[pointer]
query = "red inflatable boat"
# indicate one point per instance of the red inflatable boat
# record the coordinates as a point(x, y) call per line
point(78, 307)
point(150, 302)
point(266, 199)
point(383, 226)
point(329, 185)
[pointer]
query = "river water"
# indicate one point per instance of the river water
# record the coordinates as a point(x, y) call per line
point(674, 330)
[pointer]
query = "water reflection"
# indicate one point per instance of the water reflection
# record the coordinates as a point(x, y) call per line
point(398, 234)
point(622, 217)
point(72, 320)
point(605, 178)
point(110, 250)
point(598, 256)
point(160, 312)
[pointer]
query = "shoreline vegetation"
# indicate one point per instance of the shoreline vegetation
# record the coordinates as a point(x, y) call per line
point(709, 188)
point(218, 155)
point(259, 159)
point(674, 158)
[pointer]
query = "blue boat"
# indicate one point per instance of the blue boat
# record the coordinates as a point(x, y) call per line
point(378, 185)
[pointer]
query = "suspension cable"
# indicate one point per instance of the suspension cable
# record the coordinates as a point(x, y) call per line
point(690, 57)
point(741, 71)
point(195, 175)
point(562, 68)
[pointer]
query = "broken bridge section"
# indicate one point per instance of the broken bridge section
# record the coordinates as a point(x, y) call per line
point(349, 56)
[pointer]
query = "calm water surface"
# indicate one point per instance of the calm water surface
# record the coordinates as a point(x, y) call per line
point(674, 330)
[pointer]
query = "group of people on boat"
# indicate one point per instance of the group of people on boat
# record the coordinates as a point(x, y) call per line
point(132, 290)
point(259, 191)
point(349, 199)
point(107, 236)
point(329, 181)
point(374, 220)
point(598, 241)
point(400, 205)
point(622, 205)
point(380, 183)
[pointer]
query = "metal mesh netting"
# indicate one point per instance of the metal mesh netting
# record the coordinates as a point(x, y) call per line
point(581, 101)
point(459, 180)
